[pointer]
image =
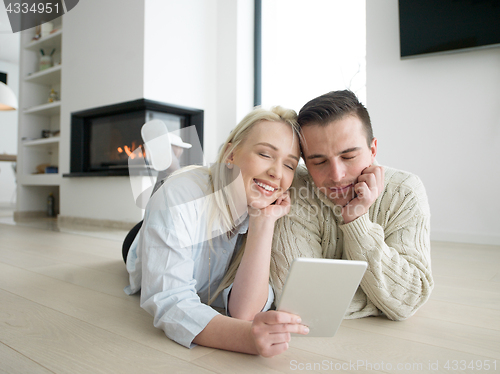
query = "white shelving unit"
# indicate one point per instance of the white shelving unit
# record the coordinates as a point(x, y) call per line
point(46, 77)
point(49, 109)
point(40, 142)
point(37, 115)
point(52, 40)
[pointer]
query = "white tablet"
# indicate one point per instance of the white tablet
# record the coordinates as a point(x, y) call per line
point(320, 291)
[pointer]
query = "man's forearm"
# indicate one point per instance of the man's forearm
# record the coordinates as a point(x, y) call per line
point(398, 279)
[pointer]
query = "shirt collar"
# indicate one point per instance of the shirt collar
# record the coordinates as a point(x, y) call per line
point(243, 226)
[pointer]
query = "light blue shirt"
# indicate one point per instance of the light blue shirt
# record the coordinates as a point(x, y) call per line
point(169, 259)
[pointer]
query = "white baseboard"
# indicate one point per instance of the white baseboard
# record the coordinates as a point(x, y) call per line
point(76, 222)
point(460, 237)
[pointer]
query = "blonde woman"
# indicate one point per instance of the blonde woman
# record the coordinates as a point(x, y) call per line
point(202, 220)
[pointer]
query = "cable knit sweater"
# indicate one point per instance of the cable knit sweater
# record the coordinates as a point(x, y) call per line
point(393, 237)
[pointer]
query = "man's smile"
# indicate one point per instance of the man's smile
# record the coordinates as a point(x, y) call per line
point(340, 189)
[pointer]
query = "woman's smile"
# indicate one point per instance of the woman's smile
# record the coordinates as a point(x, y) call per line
point(267, 160)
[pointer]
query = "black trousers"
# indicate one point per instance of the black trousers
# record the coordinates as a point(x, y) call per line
point(129, 239)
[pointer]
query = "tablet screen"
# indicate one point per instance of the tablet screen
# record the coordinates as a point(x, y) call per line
point(320, 291)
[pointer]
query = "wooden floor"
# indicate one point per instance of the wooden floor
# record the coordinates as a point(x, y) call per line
point(63, 310)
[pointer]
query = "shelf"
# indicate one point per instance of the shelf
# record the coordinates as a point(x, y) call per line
point(47, 77)
point(50, 41)
point(8, 158)
point(40, 179)
point(36, 115)
point(49, 109)
point(41, 141)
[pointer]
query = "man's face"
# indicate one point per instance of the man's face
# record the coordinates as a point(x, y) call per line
point(335, 156)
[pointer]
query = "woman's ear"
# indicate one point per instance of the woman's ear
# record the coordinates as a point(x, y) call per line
point(229, 161)
point(230, 157)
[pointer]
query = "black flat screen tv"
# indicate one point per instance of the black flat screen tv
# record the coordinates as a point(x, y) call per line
point(436, 26)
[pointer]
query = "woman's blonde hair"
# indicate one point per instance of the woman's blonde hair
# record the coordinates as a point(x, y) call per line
point(221, 176)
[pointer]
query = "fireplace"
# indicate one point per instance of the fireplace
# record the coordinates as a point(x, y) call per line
point(103, 139)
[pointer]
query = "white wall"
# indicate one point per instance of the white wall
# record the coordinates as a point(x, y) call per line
point(103, 63)
point(9, 42)
point(310, 48)
point(199, 54)
point(180, 56)
point(234, 88)
point(439, 117)
point(244, 87)
point(8, 134)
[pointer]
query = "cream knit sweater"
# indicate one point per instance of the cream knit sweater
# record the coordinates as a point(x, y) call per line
point(393, 237)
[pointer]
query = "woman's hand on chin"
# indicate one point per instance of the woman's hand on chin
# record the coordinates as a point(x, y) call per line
point(273, 211)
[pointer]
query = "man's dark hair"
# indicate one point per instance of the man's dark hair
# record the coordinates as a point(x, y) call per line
point(333, 106)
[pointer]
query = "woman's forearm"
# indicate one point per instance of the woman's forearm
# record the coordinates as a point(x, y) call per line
point(268, 334)
point(251, 284)
point(229, 334)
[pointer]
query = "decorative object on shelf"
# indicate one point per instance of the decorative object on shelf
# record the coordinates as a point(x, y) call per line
point(51, 169)
point(46, 60)
point(8, 100)
point(47, 28)
point(46, 169)
point(53, 96)
point(49, 133)
point(40, 169)
point(38, 33)
point(51, 202)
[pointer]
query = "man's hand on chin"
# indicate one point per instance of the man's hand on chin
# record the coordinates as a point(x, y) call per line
point(368, 188)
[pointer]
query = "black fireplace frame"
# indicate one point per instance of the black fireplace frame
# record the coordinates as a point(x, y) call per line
point(79, 155)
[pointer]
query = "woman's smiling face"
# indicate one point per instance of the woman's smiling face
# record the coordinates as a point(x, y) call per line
point(267, 159)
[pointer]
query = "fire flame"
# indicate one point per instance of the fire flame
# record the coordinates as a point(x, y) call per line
point(130, 151)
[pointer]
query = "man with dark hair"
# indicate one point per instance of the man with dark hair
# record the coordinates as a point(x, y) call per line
point(346, 206)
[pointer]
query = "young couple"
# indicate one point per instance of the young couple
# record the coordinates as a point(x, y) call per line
point(207, 237)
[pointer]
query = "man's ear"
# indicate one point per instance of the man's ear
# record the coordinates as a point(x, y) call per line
point(373, 149)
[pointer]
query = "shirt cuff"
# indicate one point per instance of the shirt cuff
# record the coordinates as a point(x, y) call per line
point(225, 298)
point(270, 299)
point(184, 330)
